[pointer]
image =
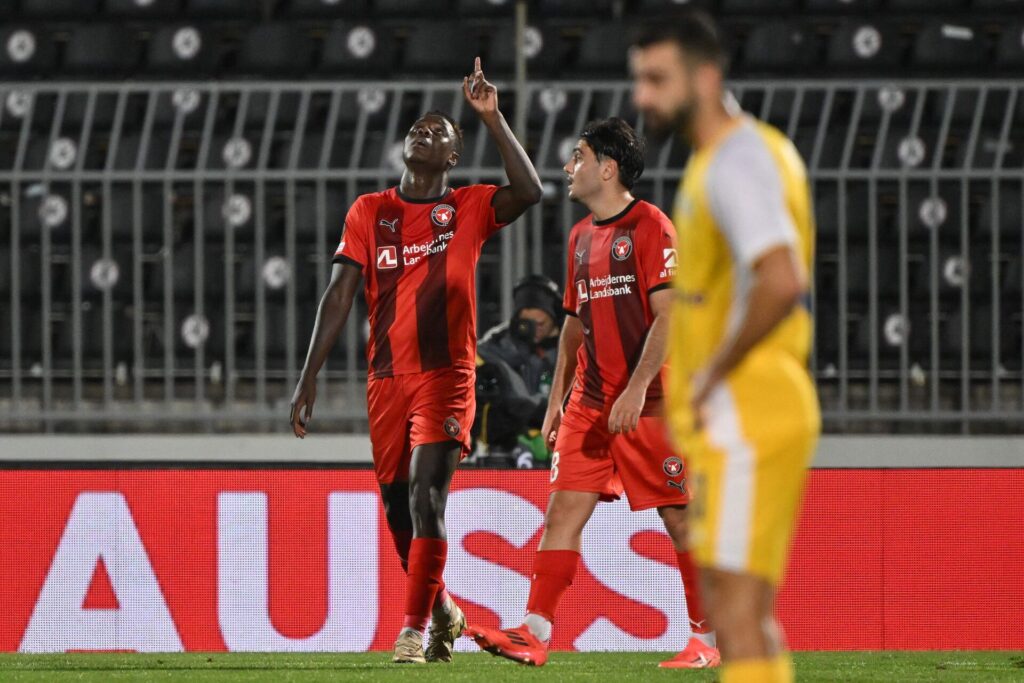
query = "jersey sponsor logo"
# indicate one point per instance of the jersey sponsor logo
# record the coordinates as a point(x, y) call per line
point(442, 215)
point(670, 257)
point(582, 296)
point(681, 485)
point(622, 248)
point(452, 427)
point(673, 466)
point(412, 253)
point(391, 225)
point(671, 261)
point(341, 248)
point(611, 285)
point(387, 257)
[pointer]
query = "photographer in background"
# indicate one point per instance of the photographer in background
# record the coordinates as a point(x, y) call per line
point(515, 361)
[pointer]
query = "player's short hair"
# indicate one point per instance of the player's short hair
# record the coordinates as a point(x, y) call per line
point(694, 31)
point(455, 126)
point(615, 139)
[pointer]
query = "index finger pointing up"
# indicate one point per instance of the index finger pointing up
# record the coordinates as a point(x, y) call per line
point(476, 65)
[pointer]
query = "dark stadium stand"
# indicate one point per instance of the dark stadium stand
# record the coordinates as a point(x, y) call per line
point(814, 37)
point(138, 197)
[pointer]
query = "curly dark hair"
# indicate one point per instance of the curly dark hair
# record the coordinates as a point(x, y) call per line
point(615, 139)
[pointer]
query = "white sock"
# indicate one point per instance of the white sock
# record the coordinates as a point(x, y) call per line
point(539, 627)
point(707, 638)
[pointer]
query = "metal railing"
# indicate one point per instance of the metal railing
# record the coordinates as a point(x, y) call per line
point(167, 242)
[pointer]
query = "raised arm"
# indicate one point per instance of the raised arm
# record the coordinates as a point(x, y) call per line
point(565, 367)
point(524, 188)
point(330, 319)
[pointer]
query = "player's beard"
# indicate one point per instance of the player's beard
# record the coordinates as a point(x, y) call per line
point(679, 123)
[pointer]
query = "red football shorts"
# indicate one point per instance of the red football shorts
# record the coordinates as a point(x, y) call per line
point(407, 411)
point(642, 462)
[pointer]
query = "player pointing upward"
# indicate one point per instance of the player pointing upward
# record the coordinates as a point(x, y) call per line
point(417, 246)
point(742, 403)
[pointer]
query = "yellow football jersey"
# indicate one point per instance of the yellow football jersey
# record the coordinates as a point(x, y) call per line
point(738, 198)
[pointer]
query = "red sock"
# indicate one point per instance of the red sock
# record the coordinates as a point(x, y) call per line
point(691, 589)
point(426, 565)
point(402, 539)
point(553, 571)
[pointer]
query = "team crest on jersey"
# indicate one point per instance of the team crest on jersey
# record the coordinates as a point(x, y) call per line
point(673, 466)
point(622, 248)
point(387, 257)
point(451, 427)
point(442, 215)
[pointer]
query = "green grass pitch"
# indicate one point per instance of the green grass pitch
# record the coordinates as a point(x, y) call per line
point(810, 666)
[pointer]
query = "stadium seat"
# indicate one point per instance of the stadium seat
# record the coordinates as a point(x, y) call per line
point(26, 51)
point(779, 45)
point(127, 154)
point(276, 50)
point(218, 216)
point(439, 48)
point(30, 328)
point(327, 8)
point(603, 49)
point(591, 9)
point(543, 51)
point(122, 212)
point(1010, 222)
point(926, 5)
point(1012, 275)
point(757, 6)
point(828, 211)
point(864, 45)
point(357, 50)
point(980, 340)
point(656, 8)
point(403, 9)
point(485, 8)
point(1010, 48)
point(221, 9)
point(101, 50)
point(306, 212)
point(143, 9)
point(998, 5)
point(851, 7)
point(59, 9)
point(946, 45)
point(180, 49)
point(858, 270)
point(183, 272)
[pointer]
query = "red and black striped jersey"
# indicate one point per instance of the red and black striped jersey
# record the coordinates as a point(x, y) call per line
point(418, 258)
point(613, 266)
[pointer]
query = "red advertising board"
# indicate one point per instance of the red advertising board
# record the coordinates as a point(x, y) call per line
point(279, 560)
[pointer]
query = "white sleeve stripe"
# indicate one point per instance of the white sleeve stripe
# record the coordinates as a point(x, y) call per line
point(745, 195)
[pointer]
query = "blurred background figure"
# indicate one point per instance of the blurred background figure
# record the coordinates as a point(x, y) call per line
point(515, 361)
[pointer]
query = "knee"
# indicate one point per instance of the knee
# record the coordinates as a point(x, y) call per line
point(676, 524)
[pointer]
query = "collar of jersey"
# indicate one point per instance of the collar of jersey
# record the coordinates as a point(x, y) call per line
point(426, 200)
point(619, 216)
